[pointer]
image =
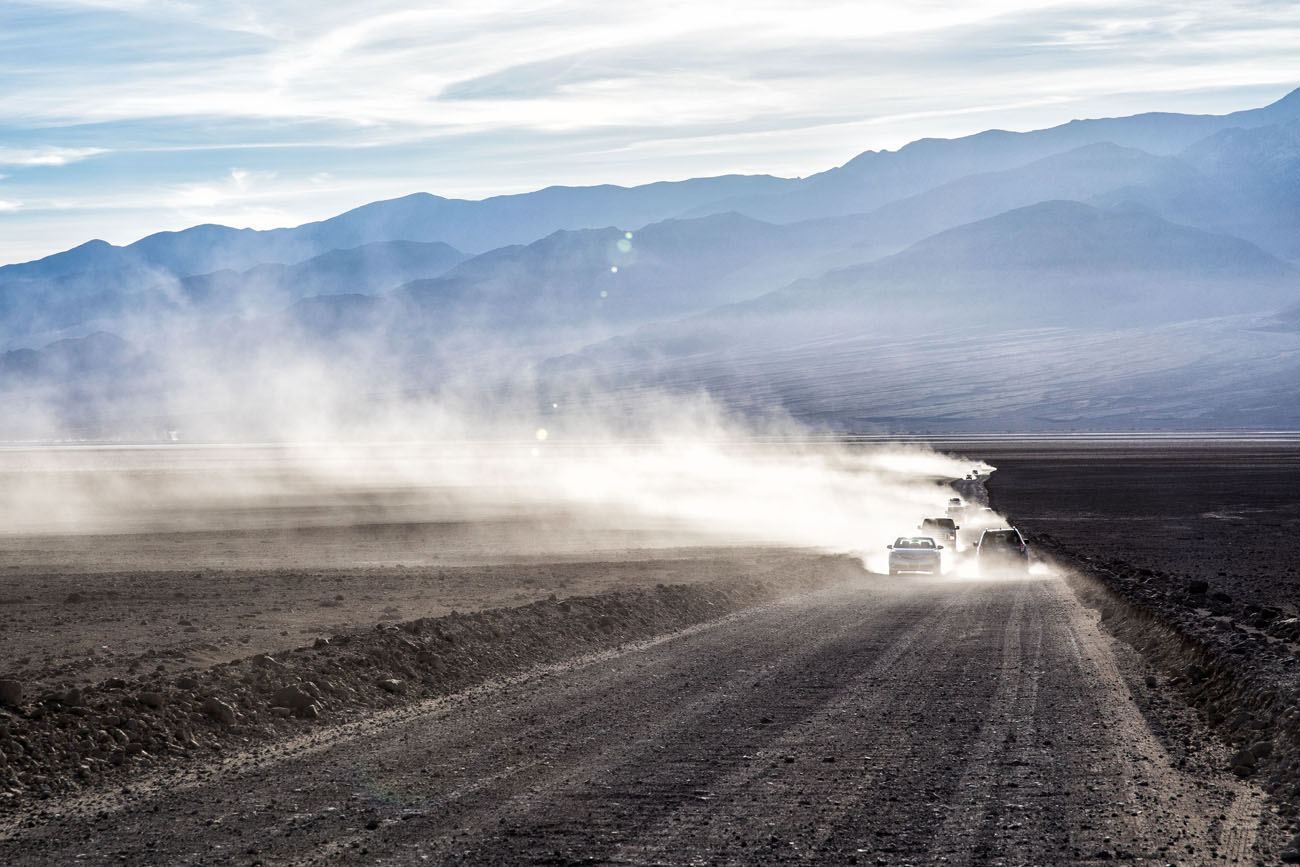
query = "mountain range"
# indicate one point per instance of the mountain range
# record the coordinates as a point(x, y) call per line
point(1182, 227)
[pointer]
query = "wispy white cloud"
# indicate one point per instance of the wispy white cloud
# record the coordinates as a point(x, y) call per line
point(45, 156)
point(6, 205)
point(474, 97)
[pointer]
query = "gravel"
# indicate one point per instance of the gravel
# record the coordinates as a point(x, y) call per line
point(64, 740)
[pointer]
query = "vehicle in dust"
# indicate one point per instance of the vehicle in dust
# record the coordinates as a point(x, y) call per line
point(956, 508)
point(975, 523)
point(1002, 550)
point(915, 554)
point(942, 529)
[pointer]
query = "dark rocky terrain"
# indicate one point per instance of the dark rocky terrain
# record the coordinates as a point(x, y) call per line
point(1187, 550)
point(1227, 515)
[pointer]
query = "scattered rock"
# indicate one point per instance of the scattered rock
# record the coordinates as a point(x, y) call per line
point(154, 700)
point(219, 710)
point(1243, 763)
point(291, 697)
point(74, 598)
point(393, 685)
point(1198, 587)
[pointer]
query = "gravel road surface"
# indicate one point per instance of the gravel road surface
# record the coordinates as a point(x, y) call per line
point(910, 721)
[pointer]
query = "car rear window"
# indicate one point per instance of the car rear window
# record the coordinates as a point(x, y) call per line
point(946, 523)
point(1003, 537)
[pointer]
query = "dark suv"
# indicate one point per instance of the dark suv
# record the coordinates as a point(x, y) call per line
point(943, 529)
point(1003, 549)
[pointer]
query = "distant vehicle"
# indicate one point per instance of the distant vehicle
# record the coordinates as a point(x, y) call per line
point(1002, 549)
point(977, 522)
point(956, 508)
point(943, 529)
point(914, 554)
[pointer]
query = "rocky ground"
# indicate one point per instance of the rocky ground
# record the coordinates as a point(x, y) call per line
point(725, 705)
point(887, 721)
point(66, 629)
point(55, 741)
point(1225, 517)
point(1188, 553)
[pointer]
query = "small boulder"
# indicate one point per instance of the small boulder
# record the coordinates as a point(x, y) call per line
point(291, 697)
point(219, 710)
point(1243, 763)
point(393, 685)
point(154, 700)
point(1198, 587)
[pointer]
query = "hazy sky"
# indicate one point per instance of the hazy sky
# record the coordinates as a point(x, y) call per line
point(123, 117)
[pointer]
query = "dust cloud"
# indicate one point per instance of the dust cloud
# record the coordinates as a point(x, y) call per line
point(677, 469)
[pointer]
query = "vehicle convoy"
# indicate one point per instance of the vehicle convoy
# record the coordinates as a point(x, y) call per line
point(915, 554)
point(1002, 550)
point(941, 529)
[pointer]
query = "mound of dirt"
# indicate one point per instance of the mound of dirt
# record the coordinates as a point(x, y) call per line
point(53, 743)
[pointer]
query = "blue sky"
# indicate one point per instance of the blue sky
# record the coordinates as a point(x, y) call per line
point(123, 117)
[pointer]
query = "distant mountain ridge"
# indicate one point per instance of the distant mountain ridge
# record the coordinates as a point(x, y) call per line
point(875, 177)
point(866, 182)
point(758, 290)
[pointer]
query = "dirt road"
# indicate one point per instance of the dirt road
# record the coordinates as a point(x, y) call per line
point(914, 721)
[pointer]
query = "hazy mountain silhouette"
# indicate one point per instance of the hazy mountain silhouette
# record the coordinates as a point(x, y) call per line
point(1246, 182)
point(1058, 262)
point(97, 299)
point(477, 226)
point(98, 276)
point(1057, 316)
point(368, 269)
point(94, 359)
point(873, 178)
point(1061, 264)
point(1089, 234)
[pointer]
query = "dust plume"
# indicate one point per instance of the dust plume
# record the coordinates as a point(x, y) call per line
point(673, 470)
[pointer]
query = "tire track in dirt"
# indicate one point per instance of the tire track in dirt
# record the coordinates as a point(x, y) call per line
point(900, 722)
